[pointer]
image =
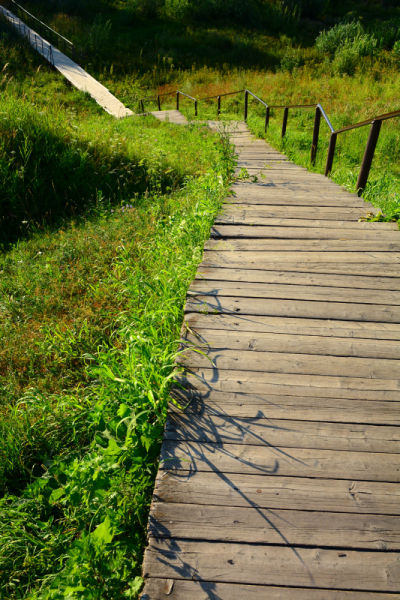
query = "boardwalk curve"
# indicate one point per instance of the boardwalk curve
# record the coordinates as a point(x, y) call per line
point(280, 479)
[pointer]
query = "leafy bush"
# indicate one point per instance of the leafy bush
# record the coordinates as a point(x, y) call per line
point(331, 40)
point(386, 32)
point(346, 59)
point(291, 59)
point(347, 43)
point(396, 49)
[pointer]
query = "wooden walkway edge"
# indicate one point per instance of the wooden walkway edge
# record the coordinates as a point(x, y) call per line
point(280, 478)
point(70, 70)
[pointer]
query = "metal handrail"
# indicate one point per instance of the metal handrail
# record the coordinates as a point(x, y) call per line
point(65, 43)
point(375, 123)
point(187, 96)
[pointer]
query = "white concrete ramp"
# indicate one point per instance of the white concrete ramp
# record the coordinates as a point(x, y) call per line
point(67, 67)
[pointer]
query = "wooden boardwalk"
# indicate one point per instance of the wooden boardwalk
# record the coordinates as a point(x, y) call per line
point(280, 479)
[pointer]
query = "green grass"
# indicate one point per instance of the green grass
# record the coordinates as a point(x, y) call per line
point(102, 227)
point(92, 384)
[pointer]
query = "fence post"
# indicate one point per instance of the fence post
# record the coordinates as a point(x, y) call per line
point(284, 122)
point(331, 154)
point(266, 119)
point(246, 104)
point(158, 103)
point(142, 105)
point(195, 108)
point(177, 100)
point(219, 106)
point(368, 154)
point(314, 145)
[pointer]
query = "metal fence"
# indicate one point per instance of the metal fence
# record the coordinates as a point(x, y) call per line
point(375, 122)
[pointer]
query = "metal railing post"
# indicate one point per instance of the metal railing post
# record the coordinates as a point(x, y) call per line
point(158, 103)
point(331, 154)
point(266, 119)
point(177, 100)
point(284, 122)
point(314, 145)
point(368, 154)
point(246, 104)
point(195, 108)
point(219, 106)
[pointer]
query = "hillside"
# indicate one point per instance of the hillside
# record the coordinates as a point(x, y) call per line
point(102, 226)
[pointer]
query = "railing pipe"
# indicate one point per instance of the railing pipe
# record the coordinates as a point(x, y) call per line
point(331, 154)
point(368, 154)
point(284, 122)
point(314, 145)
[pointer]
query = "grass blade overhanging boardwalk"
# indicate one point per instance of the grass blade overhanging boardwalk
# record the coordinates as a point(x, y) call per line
point(283, 469)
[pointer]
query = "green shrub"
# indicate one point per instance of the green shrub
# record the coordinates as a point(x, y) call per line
point(386, 32)
point(331, 40)
point(346, 60)
point(291, 60)
point(396, 49)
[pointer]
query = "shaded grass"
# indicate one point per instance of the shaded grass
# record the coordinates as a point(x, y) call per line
point(90, 413)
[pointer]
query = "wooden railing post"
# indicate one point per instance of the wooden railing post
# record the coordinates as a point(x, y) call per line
point(177, 100)
point(284, 122)
point(158, 103)
point(246, 104)
point(219, 106)
point(331, 154)
point(266, 119)
point(195, 108)
point(368, 154)
point(314, 145)
point(142, 105)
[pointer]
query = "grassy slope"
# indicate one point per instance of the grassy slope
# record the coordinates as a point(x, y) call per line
point(91, 300)
point(91, 306)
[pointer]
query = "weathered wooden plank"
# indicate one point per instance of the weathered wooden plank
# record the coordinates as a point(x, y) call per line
point(303, 233)
point(288, 291)
point(291, 343)
point(265, 526)
point(297, 200)
point(273, 565)
point(300, 462)
point(294, 308)
point(318, 327)
point(323, 279)
point(267, 257)
point(173, 589)
point(260, 491)
point(307, 223)
point(278, 245)
point(229, 260)
point(267, 406)
point(282, 432)
point(254, 382)
point(251, 213)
